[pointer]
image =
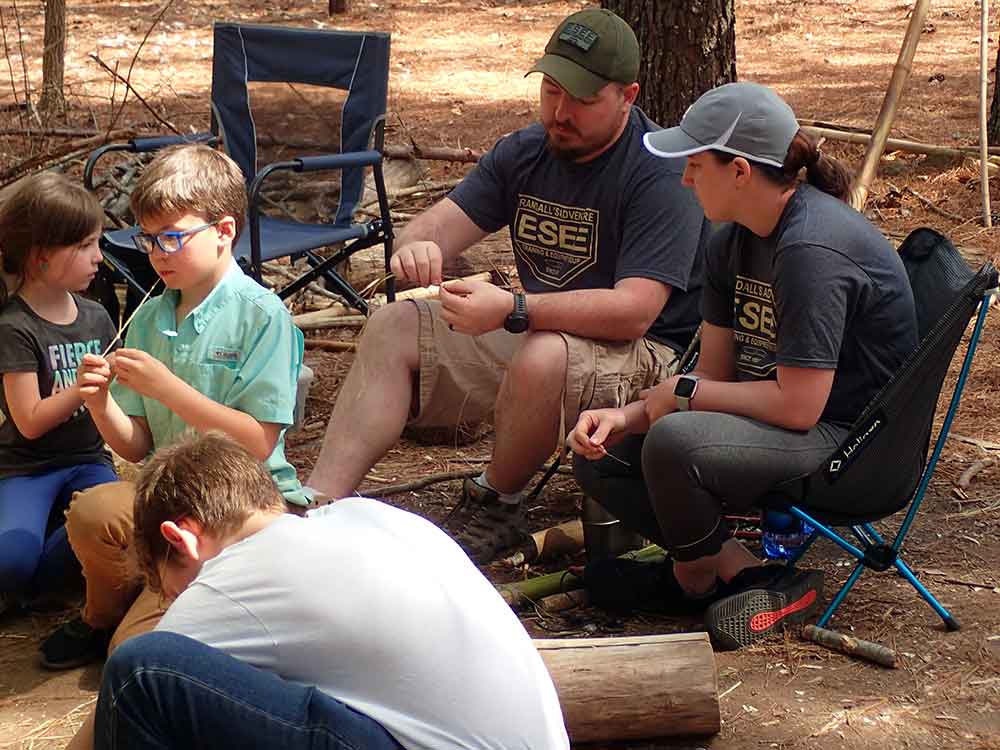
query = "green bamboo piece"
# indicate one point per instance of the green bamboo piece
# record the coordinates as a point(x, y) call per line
point(524, 593)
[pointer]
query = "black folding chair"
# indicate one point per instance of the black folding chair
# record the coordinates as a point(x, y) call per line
point(356, 62)
point(881, 467)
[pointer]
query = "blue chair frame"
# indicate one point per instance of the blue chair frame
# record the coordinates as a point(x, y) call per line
point(814, 499)
point(357, 62)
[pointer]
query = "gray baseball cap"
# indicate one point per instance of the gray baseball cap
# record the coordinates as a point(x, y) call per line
point(744, 119)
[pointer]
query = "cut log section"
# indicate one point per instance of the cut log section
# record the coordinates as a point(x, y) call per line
point(617, 689)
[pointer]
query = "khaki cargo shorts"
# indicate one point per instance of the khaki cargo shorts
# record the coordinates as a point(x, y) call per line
point(460, 375)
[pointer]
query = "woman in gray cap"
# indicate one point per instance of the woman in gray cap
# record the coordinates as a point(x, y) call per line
point(807, 313)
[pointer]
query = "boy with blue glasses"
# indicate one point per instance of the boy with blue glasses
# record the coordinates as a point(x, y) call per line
point(216, 351)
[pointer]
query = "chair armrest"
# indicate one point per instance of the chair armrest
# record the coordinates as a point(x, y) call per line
point(338, 161)
point(138, 146)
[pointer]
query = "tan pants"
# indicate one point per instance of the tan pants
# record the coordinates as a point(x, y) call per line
point(460, 375)
point(99, 527)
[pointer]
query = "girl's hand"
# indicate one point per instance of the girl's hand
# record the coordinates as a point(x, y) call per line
point(595, 429)
point(142, 372)
point(659, 399)
point(93, 377)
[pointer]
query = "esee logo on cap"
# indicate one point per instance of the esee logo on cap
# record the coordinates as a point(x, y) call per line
point(579, 36)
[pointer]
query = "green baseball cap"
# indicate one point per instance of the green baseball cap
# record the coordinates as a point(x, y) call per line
point(589, 50)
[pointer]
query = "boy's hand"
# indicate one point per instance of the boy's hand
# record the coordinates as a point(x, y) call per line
point(142, 372)
point(93, 377)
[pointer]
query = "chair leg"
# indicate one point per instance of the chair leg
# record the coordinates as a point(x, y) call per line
point(839, 598)
point(904, 570)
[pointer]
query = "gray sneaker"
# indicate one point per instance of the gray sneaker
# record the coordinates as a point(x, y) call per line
point(482, 525)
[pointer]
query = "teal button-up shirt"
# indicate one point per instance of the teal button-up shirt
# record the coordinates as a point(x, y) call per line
point(239, 348)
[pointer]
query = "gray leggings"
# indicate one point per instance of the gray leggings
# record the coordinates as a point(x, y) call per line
point(691, 468)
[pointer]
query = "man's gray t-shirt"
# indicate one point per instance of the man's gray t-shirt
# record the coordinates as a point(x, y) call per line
point(29, 343)
point(587, 226)
point(824, 290)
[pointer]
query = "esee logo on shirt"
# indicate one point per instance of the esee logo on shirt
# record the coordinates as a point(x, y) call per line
point(557, 242)
point(754, 327)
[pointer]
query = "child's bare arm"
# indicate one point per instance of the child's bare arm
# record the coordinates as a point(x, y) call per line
point(33, 415)
point(149, 377)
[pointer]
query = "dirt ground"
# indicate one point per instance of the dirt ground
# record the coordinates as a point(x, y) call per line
point(457, 81)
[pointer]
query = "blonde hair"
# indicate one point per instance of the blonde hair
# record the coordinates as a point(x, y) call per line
point(39, 212)
point(208, 478)
point(191, 179)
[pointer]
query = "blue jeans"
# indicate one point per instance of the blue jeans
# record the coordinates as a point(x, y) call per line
point(163, 690)
point(30, 555)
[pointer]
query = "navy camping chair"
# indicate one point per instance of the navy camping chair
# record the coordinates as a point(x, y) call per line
point(355, 62)
point(881, 468)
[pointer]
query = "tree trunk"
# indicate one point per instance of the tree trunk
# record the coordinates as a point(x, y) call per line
point(52, 101)
point(687, 49)
point(993, 125)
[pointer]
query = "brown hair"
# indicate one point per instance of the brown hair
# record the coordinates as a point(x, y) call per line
point(42, 211)
point(191, 179)
point(822, 172)
point(207, 478)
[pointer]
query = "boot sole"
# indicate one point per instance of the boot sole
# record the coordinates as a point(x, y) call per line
point(745, 618)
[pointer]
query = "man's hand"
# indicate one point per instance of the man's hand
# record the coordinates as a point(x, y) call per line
point(418, 262)
point(595, 430)
point(143, 373)
point(474, 307)
point(659, 399)
point(93, 377)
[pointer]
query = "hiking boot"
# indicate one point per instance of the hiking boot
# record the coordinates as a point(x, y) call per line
point(624, 585)
point(762, 600)
point(74, 644)
point(482, 525)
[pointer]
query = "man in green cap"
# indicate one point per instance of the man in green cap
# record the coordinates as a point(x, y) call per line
point(608, 247)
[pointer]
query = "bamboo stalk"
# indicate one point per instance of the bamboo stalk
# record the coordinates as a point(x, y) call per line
point(894, 144)
point(883, 124)
point(984, 72)
point(328, 345)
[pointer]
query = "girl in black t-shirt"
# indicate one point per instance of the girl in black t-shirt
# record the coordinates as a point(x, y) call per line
point(807, 314)
point(49, 446)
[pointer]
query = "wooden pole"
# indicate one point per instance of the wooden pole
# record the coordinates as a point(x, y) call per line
point(984, 173)
point(883, 124)
point(640, 687)
point(892, 144)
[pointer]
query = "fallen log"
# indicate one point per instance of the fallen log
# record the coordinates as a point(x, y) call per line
point(640, 687)
point(321, 318)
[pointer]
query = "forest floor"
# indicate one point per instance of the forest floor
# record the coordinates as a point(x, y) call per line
point(457, 81)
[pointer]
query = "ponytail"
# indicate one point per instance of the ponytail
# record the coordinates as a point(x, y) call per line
point(822, 172)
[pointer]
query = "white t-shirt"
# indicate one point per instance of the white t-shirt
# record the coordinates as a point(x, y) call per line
point(381, 610)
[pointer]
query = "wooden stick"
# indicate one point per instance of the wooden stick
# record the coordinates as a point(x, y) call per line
point(984, 444)
point(984, 73)
point(125, 324)
point(563, 539)
point(838, 129)
point(320, 318)
point(894, 144)
point(932, 205)
point(883, 124)
point(975, 468)
point(446, 476)
point(566, 600)
point(867, 650)
point(328, 345)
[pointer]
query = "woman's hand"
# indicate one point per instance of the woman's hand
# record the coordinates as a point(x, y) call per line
point(595, 430)
point(659, 400)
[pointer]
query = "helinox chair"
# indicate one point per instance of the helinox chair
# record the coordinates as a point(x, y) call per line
point(356, 62)
point(881, 467)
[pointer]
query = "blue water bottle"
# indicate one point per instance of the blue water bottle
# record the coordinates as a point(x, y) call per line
point(782, 534)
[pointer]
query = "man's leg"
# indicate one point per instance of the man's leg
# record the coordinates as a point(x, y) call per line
point(374, 401)
point(163, 690)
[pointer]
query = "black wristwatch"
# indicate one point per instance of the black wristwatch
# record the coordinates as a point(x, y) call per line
point(684, 390)
point(517, 321)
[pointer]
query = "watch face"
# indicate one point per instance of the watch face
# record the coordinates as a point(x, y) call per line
point(516, 323)
point(685, 387)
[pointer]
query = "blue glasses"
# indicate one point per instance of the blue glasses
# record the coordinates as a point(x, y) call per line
point(168, 242)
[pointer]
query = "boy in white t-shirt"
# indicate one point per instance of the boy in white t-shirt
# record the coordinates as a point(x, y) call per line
point(359, 626)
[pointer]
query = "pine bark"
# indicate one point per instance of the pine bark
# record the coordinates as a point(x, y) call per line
point(688, 47)
point(52, 101)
